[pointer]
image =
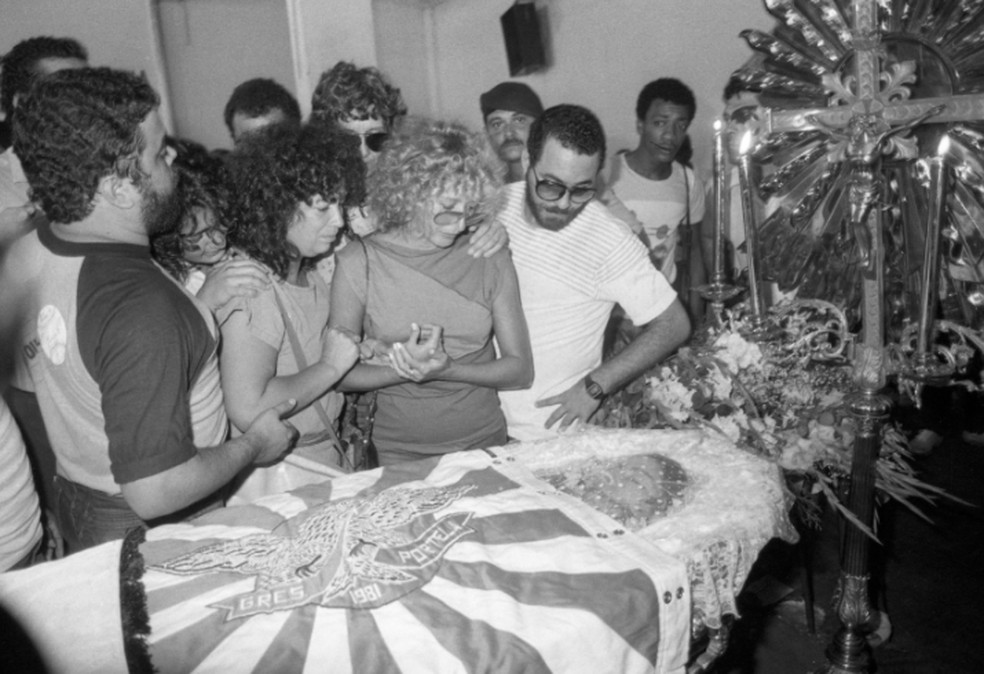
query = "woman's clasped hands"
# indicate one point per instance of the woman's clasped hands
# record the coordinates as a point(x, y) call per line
point(422, 357)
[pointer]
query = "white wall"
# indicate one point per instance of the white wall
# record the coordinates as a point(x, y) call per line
point(117, 33)
point(325, 32)
point(600, 53)
point(211, 46)
point(402, 52)
point(122, 34)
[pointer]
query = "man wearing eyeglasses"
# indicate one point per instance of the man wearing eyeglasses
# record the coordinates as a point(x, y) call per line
point(509, 109)
point(575, 261)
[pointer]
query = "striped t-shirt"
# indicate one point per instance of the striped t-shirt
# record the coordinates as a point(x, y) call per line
point(569, 281)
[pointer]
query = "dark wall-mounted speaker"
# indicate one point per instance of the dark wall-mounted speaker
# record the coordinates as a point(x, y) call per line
point(524, 45)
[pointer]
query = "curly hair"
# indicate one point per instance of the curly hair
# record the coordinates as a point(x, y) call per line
point(427, 158)
point(278, 168)
point(575, 127)
point(203, 183)
point(76, 127)
point(20, 64)
point(666, 89)
point(349, 93)
point(258, 97)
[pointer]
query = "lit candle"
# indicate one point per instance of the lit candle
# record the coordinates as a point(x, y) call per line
point(748, 215)
point(931, 262)
point(720, 187)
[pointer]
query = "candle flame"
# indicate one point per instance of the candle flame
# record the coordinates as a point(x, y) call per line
point(746, 143)
point(718, 125)
point(944, 146)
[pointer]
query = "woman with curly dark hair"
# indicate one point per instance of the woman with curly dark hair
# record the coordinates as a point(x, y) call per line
point(289, 188)
point(196, 252)
point(430, 308)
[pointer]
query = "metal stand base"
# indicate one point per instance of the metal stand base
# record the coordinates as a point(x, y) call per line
point(849, 652)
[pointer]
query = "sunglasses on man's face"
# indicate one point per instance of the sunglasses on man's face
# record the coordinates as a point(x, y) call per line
point(373, 139)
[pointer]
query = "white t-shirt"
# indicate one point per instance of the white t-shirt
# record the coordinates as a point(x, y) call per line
point(659, 205)
point(20, 513)
point(14, 193)
point(569, 282)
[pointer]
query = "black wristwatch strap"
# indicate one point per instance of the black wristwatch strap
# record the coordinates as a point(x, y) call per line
point(594, 388)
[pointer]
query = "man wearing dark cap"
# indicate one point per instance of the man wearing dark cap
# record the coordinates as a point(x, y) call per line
point(509, 109)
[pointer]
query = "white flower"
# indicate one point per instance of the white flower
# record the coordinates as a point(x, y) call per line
point(797, 455)
point(764, 425)
point(728, 426)
point(720, 384)
point(741, 418)
point(673, 396)
point(737, 352)
point(798, 394)
point(830, 399)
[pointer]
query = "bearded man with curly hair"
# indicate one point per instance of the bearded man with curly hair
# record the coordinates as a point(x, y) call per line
point(125, 360)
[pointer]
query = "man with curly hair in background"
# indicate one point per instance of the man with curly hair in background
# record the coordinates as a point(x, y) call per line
point(126, 368)
point(362, 102)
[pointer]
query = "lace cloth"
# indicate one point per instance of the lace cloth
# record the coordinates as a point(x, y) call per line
point(733, 505)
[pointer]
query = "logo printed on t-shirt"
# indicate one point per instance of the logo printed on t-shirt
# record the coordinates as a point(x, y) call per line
point(53, 334)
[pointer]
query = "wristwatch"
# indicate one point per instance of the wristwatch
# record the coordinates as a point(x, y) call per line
point(594, 388)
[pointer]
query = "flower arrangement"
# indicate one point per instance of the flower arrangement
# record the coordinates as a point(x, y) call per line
point(782, 399)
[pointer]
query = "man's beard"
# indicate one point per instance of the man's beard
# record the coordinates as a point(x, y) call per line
point(537, 210)
point(161, 211)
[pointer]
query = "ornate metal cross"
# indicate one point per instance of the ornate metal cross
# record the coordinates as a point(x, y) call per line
point(869, 115)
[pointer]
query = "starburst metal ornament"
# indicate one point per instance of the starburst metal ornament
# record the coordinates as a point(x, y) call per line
point(871, 212)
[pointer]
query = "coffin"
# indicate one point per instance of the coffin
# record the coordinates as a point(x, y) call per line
point(483, 561)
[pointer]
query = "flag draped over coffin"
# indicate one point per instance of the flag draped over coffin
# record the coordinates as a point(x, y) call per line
point(462, 563)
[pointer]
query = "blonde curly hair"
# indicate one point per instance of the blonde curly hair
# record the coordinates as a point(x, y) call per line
point(425, 159)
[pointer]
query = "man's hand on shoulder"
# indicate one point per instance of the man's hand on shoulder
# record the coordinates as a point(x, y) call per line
point(270, 435)
point(573, 405)
point(232, 278)
point(487, 238)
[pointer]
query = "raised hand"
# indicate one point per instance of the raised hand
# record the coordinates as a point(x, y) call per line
point(422, 357)
point(232, 278)
point(487, 236)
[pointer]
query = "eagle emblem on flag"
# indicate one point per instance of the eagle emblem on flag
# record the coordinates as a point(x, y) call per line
point(357, 552)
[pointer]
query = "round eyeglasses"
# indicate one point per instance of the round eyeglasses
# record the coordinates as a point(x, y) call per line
point(548, 190)
point(216, 235)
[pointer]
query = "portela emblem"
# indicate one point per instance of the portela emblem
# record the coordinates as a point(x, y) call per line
point(352, 553)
